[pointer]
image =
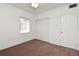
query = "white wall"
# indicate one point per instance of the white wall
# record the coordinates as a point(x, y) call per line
point(9, 26)
point(54, 16)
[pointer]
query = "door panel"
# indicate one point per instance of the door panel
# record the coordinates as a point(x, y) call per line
point(68, 30)
point(55, 30)
point(78, 32)
point(42, 27)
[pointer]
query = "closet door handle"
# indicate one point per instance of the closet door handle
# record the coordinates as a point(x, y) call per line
point(61, 32)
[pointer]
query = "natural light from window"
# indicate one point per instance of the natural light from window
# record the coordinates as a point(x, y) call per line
point(24, 25)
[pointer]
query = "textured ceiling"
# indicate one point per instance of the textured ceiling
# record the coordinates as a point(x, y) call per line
point(42, 8)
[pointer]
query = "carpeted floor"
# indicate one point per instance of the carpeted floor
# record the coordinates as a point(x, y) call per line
point(38, 48)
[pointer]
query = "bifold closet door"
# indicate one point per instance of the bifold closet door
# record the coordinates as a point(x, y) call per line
point(78, 32)
point(55, 28)
point(42, 29)
point(69, 31)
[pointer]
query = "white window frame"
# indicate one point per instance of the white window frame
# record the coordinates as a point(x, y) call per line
point(24, 25)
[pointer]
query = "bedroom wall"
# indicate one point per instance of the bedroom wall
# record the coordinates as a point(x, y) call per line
point(9, 26)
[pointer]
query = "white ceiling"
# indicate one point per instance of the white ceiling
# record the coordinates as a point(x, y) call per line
point(42, 8)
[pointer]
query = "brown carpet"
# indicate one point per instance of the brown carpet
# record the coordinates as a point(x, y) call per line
point(38, 48)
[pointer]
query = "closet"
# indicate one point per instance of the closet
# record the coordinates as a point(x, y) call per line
point(66, 30)
point(69, 30)
point(42, 28)
point(60, 30)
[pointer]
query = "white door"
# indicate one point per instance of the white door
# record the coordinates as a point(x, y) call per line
point(55, 30)
point(42, 29)
point(78, 32)
point(68, 31)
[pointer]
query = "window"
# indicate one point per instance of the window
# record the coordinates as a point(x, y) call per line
point(24, 25)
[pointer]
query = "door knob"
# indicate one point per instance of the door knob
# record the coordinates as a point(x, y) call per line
point(61, 32)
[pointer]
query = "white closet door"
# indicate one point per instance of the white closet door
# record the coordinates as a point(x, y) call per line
point(55, 30)
point(68, 31)
point(78, 32)
point(42, 27)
